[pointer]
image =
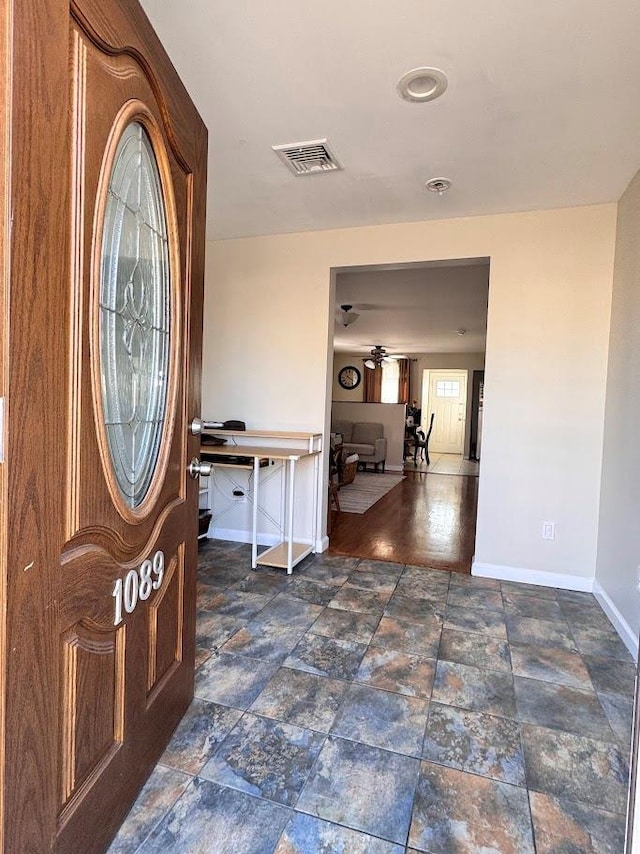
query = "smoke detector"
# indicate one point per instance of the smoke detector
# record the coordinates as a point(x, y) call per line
point(438, 185)
point(308, 158)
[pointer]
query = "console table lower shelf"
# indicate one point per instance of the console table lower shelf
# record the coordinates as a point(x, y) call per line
point(278, 555)
point(287, 553)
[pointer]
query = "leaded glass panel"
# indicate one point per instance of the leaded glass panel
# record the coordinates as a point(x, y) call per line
point(135, 317)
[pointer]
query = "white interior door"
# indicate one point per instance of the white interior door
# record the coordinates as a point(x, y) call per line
point(448, 400)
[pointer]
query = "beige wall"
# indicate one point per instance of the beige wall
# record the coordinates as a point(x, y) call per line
point(619, 533)
point(267, 359)
point(469, 362)
point(419, 363)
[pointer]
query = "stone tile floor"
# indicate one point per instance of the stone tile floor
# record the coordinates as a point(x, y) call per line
point(373, 708)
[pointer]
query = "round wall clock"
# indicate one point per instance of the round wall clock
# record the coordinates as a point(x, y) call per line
point(349, 377)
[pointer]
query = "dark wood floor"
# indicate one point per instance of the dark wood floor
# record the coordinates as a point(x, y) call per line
point(427, 520)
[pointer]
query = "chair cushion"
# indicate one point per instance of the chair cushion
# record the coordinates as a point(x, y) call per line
point(363, 450)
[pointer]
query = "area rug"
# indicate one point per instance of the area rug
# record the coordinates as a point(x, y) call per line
point(366, 489)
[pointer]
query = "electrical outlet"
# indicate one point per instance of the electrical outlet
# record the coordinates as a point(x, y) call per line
point(548, 530)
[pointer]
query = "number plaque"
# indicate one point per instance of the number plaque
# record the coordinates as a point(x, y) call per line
point(137, 585)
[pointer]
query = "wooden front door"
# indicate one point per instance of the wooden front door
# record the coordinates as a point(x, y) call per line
point(101, 244)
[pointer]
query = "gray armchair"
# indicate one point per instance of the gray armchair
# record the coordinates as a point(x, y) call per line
point(364, 438)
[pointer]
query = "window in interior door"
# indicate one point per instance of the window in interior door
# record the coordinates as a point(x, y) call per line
point(447, 388)
point(134, 314)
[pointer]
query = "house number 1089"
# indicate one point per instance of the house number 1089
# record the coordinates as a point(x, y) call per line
point(137, 585)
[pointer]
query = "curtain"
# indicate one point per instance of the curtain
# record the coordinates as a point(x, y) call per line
point(373, 384)
point(404, 381)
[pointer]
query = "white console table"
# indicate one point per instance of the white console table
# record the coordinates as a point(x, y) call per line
point(288, 552)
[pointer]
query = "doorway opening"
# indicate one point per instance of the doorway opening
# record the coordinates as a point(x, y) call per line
point(432, 316)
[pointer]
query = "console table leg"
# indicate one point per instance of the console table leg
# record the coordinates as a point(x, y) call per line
point(292, 480)
point(254, 527)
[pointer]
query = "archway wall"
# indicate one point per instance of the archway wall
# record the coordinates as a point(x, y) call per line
point(269, 305)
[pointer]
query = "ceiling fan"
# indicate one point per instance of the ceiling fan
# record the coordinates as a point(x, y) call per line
point(380, 356)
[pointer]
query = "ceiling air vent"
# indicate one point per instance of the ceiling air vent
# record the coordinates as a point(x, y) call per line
point(308, 158)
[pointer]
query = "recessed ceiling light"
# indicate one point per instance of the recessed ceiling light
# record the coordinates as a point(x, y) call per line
point(461, 331)
point(422, 84)
point(438, 185)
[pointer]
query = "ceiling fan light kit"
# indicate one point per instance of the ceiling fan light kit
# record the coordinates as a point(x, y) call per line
point(379, 356)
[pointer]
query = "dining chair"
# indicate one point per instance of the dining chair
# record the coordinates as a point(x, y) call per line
point(335, 471)
point(421, 442)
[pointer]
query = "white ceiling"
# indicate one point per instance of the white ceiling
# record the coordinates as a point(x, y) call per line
point(541, 111)
point(415, 309)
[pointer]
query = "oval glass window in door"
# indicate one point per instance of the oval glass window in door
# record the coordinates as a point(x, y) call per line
point(134, 314)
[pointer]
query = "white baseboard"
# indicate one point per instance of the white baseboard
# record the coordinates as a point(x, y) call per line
point(532, 576)
point(629, 638)
point(563, 582)
point(322, 544)
point(399, 469)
